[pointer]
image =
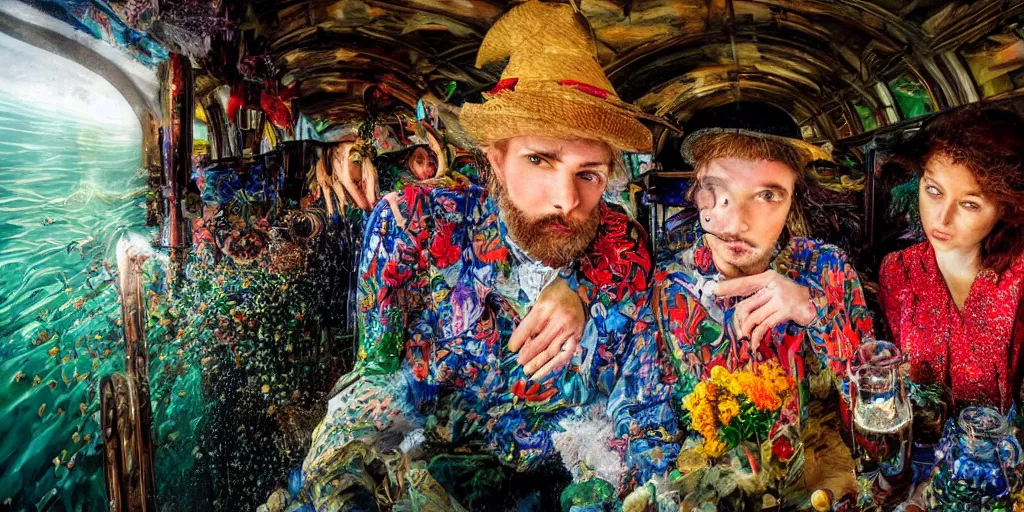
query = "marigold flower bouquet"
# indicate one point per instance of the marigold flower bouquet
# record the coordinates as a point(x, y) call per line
point(747, 449)
point(748, 441)
point(735, 408)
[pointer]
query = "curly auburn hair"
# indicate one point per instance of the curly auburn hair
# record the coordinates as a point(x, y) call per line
point(989, 142)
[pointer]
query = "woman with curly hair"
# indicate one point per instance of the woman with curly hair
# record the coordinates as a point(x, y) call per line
point(954, 302)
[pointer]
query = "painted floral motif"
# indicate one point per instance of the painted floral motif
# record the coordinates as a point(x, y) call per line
point(440, 291)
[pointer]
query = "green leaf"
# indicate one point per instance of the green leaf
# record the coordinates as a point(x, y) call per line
point(709, 331)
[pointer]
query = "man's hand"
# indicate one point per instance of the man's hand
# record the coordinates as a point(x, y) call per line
point(775, 300)
point(551, 331)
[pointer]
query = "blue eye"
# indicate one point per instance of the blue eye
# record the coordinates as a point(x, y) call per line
point(535, 160)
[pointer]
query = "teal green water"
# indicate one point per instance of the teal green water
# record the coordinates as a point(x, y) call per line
point(69, 189)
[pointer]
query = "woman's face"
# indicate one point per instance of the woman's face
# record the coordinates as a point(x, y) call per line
point(421, 164)
point(955, 213)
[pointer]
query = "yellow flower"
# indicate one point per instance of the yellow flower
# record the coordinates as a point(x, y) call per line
point(719, 375)
point(713, 447)
point(702, 406)
point(725, 379)
point(704, 422)
point(700, 394)
point(727, 410)
point(690, 401)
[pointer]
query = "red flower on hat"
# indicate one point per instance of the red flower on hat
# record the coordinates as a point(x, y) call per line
point(586, 88)
point(508, 84)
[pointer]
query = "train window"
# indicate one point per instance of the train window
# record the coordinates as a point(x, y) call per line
point(70, 187)
point(995, 63)
point(868, 117)
point(912, 97)
point(200, 133)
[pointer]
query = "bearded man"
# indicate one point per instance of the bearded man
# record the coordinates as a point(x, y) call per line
point(439, 414)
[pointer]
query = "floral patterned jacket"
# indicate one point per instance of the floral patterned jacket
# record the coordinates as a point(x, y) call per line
point(695, 329)
point(441, 289)
point(698, 328)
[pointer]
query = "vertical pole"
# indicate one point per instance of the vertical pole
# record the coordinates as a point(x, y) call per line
point(133, 321)
point(179, 108)
point(869, 194)
point(125, 413)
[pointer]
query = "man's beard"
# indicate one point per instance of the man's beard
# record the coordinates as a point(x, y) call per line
point(541, 238)
point(753, 262)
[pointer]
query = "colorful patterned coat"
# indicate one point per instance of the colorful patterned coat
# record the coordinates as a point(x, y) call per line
point(696, 331)
point(699, 332)
point(440, 291)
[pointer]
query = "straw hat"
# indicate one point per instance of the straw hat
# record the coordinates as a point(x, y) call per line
point(809, 153)
point(552, 86)
point(739, 119)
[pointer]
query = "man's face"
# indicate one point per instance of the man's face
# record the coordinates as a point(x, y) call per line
point(548, 191)
point(743, 206)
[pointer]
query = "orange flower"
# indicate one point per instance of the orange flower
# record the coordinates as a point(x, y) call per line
point(763, 396)
point(774, 374)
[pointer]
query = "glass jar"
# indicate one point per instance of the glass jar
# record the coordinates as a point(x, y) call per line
point(978, 463)
point(882, 417)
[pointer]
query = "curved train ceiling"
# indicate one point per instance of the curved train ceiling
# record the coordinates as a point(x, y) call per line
point(839, 68)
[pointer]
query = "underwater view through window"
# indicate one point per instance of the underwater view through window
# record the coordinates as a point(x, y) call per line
point(70, 188)
point(245, 336)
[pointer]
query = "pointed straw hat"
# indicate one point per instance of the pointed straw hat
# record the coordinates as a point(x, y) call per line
point(553, 85)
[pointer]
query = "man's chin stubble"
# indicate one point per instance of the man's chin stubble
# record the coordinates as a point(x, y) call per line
point(746, 267)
